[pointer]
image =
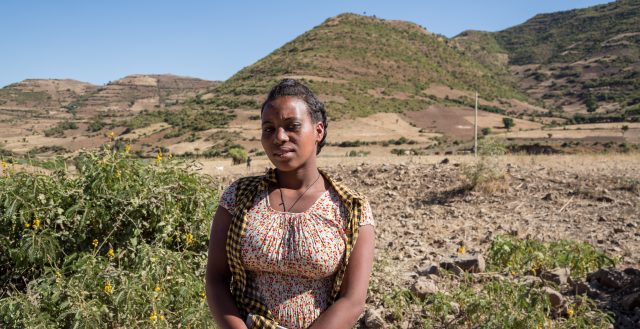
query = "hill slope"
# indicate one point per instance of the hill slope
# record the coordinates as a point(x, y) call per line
point(580, 60)
point(362, 65)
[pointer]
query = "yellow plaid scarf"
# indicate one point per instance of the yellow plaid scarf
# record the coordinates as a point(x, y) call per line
point(246, 191)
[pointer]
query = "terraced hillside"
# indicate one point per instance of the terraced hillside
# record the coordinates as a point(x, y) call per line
point(583, 60)
point(363, 65)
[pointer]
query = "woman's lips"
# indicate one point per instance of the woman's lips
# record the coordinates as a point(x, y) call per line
point(283, 153)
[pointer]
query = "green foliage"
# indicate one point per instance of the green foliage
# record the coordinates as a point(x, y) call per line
point(58, 130)
point(485, 131)
point(591, 103)
point(502, 302)
point(238, 155)
point(184, 120)
point(368, 65)
point(508, 123)
point(113, 245)
point(96, 125)
point(360, 153)
point(529, 256)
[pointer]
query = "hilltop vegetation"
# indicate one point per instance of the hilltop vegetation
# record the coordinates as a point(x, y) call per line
point(364, 65)
point(584, 57)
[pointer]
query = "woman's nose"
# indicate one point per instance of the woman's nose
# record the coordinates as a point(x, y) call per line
point(281, 135)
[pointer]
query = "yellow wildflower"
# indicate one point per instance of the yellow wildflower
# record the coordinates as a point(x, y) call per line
point(27, 225)
point(159, 156)
point(36, 223)
point(127, 148)
point(203, 295)
point(108, 288)
point(461, 249)
point(111, 253)
point(170, 156)
point(153, 316)
point(118, 173)
point(4, 165)
point(157, 289)
point(189, 238)
point(570, 312)
point(94, 243)
point(111, 135)
point(161, 317)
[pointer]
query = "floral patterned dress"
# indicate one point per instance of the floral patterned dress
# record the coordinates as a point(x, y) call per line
point(292, 258)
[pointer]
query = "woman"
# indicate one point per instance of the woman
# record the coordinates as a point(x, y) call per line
point(292, 248)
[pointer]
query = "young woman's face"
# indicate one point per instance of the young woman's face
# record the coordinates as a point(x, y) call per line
point(289, 136)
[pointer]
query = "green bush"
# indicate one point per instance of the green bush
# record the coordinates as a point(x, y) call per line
point(238, 155)
point(528, 256)
point(122, 243)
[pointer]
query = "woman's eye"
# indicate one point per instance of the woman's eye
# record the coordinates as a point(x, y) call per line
point(267, 130)
point(294, 126)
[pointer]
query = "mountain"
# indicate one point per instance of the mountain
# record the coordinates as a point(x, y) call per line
point(582, 60)
point(132, 94)
point(43, 94)
point(362, 65)
point(135, 93)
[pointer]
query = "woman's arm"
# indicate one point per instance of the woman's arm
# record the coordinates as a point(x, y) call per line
point(353, 293)
point(219, 298)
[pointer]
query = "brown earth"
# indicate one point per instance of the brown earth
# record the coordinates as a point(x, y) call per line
point(423, 212)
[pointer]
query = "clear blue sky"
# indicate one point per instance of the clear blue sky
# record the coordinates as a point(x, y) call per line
point(99, 41)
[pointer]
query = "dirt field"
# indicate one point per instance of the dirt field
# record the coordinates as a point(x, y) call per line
point(423, 214)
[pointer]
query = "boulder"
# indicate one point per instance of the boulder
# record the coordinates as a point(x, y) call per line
point(555, 297)
point(631, 301)
point(558, 276)
point(467, 263)
point(609, 278)
point(424, 287)
point(373, 319)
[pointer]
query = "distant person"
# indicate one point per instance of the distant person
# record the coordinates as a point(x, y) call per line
point(291, 248)
point(249, 162)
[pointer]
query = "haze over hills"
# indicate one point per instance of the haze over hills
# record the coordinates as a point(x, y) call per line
point(553, 69)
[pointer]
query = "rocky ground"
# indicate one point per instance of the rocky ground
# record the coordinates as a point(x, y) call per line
point(424, 212)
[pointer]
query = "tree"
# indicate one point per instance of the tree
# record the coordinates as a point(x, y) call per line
point(508, 123)
point(591, 103)
point(486, 131)
point(624, 129)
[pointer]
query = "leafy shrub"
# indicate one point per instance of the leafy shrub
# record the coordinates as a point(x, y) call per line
point(120, 244)
point(503, 303)
point(58, 130)
point(238, 155)
point(529, 256)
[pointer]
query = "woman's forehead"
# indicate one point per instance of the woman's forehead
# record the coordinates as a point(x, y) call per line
point(285, 107)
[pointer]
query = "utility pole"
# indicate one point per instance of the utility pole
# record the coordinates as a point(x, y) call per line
point(475, 134)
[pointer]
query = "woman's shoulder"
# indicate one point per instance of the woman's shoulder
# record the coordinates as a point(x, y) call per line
point(228, 197)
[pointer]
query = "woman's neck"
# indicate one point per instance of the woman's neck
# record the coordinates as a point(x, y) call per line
point(299, 178)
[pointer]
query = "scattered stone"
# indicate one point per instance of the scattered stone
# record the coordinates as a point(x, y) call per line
point(556, 299)
point(455, 308)
point(631, 301)
point(582, 288)
point(609, 278)
point(558, 276)
point(373, 319)
point(428, 268)
point(530, 281)
point(467, 263)
point(424, 287)
point(548, 197)
point(445, 161)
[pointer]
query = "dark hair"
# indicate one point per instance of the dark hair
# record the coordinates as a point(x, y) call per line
point(291, 87)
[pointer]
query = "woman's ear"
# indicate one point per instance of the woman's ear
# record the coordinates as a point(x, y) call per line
point(319, 126)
